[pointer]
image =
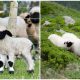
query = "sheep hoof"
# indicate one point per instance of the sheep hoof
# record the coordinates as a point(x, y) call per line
point(30, 71)
point(1, 72)
point(11, 72)
point(34, 58)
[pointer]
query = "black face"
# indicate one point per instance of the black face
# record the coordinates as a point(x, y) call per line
point(69, 44)
point(29, 25)
point(35, 17)
point(4, 33)
point(26, 18)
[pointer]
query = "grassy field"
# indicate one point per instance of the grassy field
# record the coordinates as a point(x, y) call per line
point(57, 62)
point(21, 71)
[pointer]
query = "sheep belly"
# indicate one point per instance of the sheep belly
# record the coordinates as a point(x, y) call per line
point(21, 44)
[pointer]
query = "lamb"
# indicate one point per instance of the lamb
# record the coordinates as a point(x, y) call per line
point(11, 46)
point(19, 30)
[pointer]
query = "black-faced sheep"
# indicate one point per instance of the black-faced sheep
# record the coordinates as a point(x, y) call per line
point(11, 46)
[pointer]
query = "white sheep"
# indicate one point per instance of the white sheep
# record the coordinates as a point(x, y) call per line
point(68, 41)
point(56, 40)
point(19, 30)
point(11, 46)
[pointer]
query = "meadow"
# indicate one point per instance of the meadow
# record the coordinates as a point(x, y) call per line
point(21, 71)
point(57, 62)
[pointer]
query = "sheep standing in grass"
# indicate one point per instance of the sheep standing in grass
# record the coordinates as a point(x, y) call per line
point(11, 46)
point(32, 19)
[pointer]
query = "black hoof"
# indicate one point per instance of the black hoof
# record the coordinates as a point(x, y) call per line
point(34, 58)
point(11, 72)
point(1, 72)
point(30, 71)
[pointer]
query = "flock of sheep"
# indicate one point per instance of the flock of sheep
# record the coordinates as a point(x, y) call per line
point(68, 41)
point(19, 40)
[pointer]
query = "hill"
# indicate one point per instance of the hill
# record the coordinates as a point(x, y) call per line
point(57, 62)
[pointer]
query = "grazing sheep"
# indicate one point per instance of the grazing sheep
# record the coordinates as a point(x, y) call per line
point(72, 43)
point(19, 30)
point(69, 36)
point(68, 41)
point(56, 40)
point(11, 46)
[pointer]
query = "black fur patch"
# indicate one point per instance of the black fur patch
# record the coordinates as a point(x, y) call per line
point(7, 57)
point(26, 18)
point(8, 33)
point(69, 44)
point(1, 63)
point(29, 25)
point(10, 63)
point(34, 17)
point(3, 34)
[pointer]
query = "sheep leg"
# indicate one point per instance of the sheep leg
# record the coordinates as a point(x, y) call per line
point(2, 62)
point(30, 61)
point(10, 63)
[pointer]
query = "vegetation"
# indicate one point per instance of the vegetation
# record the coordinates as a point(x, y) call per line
point(55, 60)
point(21, 71)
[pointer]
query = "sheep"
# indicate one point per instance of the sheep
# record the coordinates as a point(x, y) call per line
point(11, 46)
point(64, 40)
point(19, 30)
point(73, 46)
point(32, 19)
point(56, 40)
point(71, 42)
point(68, 41)
point(35, 14)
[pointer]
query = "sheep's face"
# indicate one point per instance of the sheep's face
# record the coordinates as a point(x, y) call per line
point(27, 19)
point(34, 17)
point(68, 45)
point(4, 33)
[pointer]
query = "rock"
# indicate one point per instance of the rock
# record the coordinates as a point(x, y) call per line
point(69, 20)
point(46, 23)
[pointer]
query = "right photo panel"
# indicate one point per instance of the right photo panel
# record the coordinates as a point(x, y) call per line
point(60, 39)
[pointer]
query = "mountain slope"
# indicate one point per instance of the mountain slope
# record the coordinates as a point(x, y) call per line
point(55, 60)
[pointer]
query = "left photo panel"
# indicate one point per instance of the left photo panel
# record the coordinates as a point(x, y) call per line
point(19, 40)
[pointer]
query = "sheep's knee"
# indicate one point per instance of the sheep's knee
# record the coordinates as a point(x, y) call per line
point(10, 64)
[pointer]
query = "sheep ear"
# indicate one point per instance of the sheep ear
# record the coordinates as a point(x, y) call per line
point(8, 33)
point(69, 44)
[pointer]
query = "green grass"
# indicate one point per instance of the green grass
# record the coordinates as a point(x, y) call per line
point(21, 71)
point(55, 60)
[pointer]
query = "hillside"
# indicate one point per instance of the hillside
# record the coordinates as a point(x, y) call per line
point(57, 62)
